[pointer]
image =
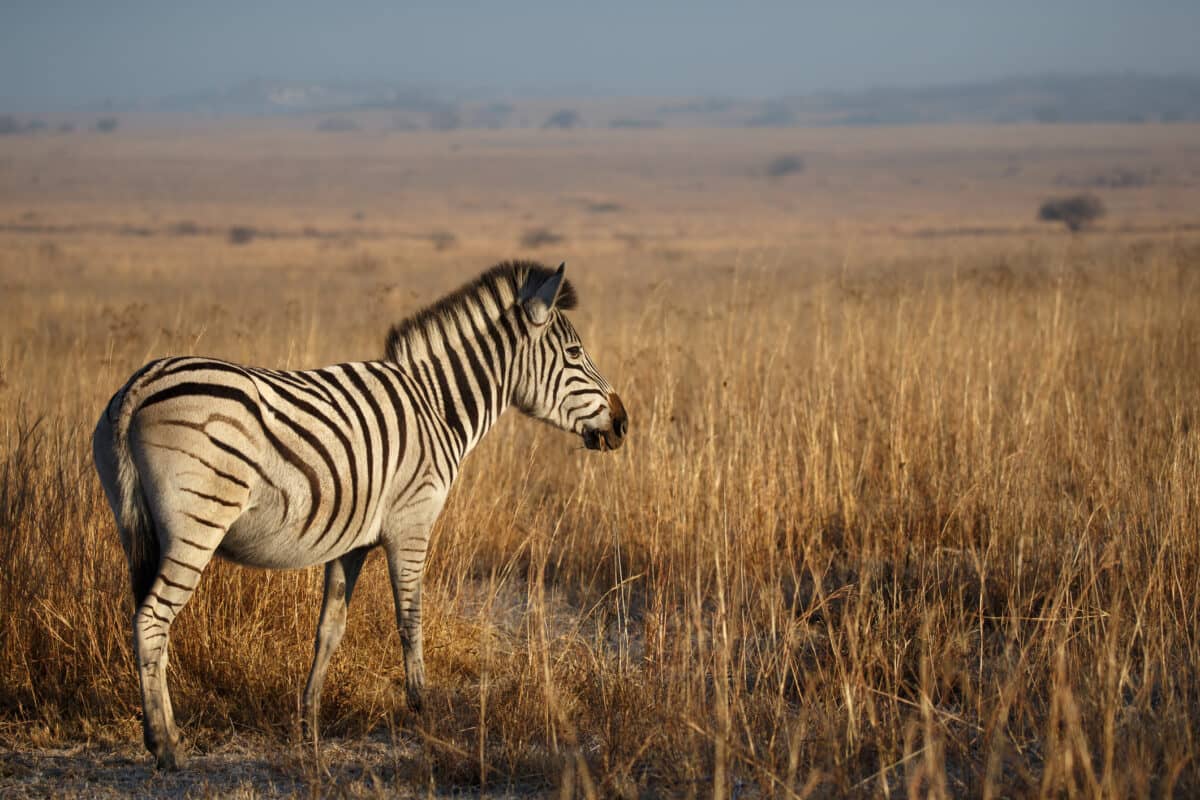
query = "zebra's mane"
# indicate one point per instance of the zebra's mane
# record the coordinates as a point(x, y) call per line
point(501, 284)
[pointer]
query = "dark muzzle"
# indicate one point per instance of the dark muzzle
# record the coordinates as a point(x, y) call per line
point(614, 436)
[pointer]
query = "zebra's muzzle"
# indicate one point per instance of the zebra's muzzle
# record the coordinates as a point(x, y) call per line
point(614, 436)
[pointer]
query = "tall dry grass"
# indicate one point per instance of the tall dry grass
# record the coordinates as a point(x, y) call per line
point(878, 530)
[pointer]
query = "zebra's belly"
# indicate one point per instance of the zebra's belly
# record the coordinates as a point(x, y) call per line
point(257, 540)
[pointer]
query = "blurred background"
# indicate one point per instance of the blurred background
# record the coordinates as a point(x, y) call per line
point(506, 129)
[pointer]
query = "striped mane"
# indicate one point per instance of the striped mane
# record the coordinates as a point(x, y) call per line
point(501, 284)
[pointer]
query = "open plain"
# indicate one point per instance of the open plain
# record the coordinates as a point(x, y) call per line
point(910, 503)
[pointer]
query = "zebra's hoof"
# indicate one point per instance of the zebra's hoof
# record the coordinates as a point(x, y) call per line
point(308, 730)
point(170, 761)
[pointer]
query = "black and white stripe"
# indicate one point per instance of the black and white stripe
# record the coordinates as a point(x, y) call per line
point(288, 469)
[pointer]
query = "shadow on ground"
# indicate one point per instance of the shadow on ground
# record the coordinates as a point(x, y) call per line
point(345, 768)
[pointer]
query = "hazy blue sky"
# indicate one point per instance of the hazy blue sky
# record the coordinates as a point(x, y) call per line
point(61, 52)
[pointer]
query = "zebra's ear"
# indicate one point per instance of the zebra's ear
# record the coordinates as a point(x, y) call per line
point(538, 300)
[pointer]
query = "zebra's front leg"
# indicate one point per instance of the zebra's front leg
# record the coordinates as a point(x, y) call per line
point(406, 567)
point(340, 576)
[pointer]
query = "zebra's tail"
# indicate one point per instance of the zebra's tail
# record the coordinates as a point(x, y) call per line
point(123, 485)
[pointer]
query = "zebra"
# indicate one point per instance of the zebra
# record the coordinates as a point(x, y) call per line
point(287, 469)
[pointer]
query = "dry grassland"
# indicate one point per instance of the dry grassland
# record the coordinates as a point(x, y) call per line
point(910, 505)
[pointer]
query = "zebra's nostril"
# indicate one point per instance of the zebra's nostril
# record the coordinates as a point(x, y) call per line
point(621, 426)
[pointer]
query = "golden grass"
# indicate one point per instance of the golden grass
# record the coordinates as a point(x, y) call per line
point(922, 519)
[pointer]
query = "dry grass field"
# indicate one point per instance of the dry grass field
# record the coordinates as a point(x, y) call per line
point(910, 504)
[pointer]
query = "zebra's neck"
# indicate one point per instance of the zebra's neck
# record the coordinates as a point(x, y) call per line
point(464, 365)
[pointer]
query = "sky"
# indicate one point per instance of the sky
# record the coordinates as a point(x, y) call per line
point(54, 52)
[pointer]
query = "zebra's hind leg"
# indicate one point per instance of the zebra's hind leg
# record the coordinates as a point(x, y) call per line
point(340, 576)
point(184, 557)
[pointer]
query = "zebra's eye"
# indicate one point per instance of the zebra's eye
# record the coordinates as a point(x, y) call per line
point(575, 351)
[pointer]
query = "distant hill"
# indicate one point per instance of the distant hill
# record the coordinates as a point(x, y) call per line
point(1048, 98)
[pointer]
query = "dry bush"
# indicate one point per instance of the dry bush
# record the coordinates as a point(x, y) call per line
point(10, 124)
point(540, 237)
point(931, 530)
point(443, 239)
point(242, 234)
point(563, 119)
point(184, 227)
point(1077, 211)
point(782, 166)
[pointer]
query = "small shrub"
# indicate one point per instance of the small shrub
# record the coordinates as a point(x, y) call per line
point(443, 240)
point(1075, 211)
point(337, 125)
point(11, 125)
point(242, 234)
point(604, 207)
point(782, 166)
point(184, 228)
point(563, 119)
point(540, 237)
point(106, 124)
point(66, 127)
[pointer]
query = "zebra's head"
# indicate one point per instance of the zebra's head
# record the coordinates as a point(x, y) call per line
point(558, 382)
